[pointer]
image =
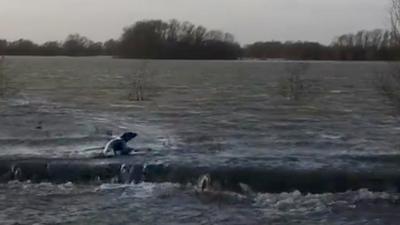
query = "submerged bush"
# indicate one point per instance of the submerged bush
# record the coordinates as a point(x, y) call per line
point(388, 84)
point(138, 86)
point(295, 87)
point(3, 79)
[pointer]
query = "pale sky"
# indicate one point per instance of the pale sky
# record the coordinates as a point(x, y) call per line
point(248, 20)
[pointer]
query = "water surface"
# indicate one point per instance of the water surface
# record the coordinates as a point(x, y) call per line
point(204, 113)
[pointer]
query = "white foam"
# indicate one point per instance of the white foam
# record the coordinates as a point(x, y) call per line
point(331, 136)
point(365, 194)
point(336, 91)
point(292, 203)
point(295, 202)
point(141, 191)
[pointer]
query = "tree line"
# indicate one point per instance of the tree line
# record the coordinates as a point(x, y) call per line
point(74, 45)
point(287, 50)
point(364, 45)
point(157, 39)
point(152, 39)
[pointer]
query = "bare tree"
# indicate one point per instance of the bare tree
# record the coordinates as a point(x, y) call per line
point(395, 19)
point(388, 83)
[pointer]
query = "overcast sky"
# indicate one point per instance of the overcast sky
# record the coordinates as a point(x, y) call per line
point(248, 20)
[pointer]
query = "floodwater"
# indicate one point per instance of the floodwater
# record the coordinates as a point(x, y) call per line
point(296, 116)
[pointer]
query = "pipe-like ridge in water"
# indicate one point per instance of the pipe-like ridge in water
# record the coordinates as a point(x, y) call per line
point(136, 170)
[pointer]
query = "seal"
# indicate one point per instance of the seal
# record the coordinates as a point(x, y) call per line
point(119, 145)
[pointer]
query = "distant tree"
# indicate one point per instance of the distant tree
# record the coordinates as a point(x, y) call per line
point(22, 47)
point(51, 48)
point(76, 45)
point(157, 39)
point(3, 47)
point(376, 44)
point(176, 40)
point(199, 35)
point(173, 31)
point(110, 47)
point(288, 50)
point(215, 35)
point(143, 39)
point(94, 48)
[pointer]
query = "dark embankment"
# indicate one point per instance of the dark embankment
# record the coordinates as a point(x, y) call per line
point(134, 169)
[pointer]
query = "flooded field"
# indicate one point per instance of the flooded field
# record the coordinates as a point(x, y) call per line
point(324, 119)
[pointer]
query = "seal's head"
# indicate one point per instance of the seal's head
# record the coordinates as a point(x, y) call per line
point(128, 136)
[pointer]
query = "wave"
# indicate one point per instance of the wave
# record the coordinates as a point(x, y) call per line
point(239, 179)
